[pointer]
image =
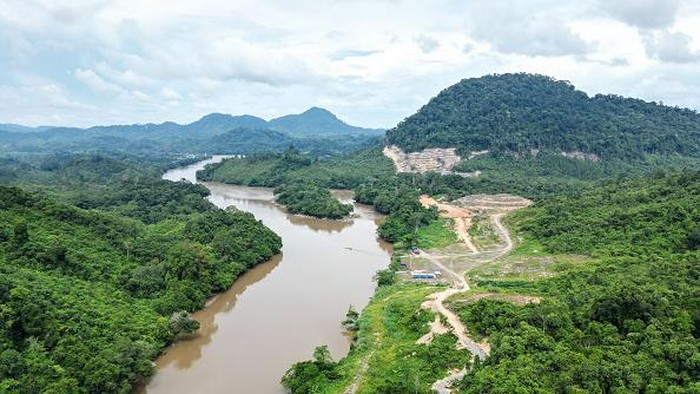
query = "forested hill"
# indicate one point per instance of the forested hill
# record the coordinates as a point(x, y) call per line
point(89, 297)
point(317, 121)
point(522, 113)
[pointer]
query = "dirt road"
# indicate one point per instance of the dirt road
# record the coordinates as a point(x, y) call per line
point(460, 216)
point(364, 366)
point(460, 285)
point(458, 328)
point(503, 232)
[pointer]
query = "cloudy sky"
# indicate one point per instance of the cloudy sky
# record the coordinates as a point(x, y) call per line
point(372, 63)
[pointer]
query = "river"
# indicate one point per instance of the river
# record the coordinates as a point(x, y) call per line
point(275, 314)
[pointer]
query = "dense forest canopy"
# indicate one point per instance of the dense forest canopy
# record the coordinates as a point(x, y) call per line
point(629, 322)
point(626, 320)
point(525, 122)
point(522, 113)
point(274, 169)
point(101, 260)
point(638, 217)
point(309, 199)
point(88, 297)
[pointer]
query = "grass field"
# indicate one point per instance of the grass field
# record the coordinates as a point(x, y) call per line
point(436, 235)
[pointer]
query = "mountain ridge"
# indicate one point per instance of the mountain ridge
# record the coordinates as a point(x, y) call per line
point(524, 113)
point(212, 133)
point(315, 121)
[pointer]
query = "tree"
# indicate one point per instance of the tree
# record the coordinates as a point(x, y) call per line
point(322, 356)
point(306, 377)
point(351, 322)
point(385, 277)
point(21, 233)
point(694, 239)
point(183, 323)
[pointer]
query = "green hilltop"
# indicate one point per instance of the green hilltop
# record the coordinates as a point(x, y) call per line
point(523, 113)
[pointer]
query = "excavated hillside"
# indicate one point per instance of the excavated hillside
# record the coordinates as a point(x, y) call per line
point(437, 160)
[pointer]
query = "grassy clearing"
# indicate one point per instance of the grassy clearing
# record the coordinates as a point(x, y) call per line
point(437, 234)
point(522, 271)
point(526, 264)
point(527, 246)
point(389, 328)
point(386, 358)
point(398, 364)
point(482, 233)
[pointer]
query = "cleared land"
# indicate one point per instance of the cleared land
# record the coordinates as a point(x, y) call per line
point(453, 262)
point(461, 219)
point(438, 160)
point(471, 276)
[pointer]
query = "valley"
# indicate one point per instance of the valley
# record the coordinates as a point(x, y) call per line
point(279, 311)
point(513, 235)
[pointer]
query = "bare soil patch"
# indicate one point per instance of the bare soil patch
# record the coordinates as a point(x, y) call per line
point(461, 218)
point(428, 160)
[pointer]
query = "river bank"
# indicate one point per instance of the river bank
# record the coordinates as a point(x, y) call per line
point(279, 311)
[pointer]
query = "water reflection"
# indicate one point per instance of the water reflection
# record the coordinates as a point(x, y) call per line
point(328, 226)
point(232, 193)
point(190, 350)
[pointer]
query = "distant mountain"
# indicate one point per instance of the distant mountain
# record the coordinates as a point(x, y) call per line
point(523, 114)
point(317, 121)
point(314, 122)
point(316, 130)
point(255, 140)
point(216, 124)
point(15, 128)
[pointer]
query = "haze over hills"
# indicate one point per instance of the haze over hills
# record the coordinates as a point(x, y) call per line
point(525, 113)
point(214, 133)
point(317, 121)
point(15, 128)
point(313, 122)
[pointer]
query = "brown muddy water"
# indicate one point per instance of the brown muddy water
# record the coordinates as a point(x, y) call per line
point(275, 314)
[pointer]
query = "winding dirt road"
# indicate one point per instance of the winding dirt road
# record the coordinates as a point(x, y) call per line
point(436, 300)
point(460, 285)
point(462, 218)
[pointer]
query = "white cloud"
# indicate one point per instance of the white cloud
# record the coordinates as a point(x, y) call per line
point(136, 61)
point(22, 102)
point(127, 77)
point(516, 27)
point(170, 94)
point(96, 82)
point(671, 47)
point(645, 14)
point(426, 44)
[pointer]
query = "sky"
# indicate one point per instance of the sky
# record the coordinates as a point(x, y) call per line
point(372, 63)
